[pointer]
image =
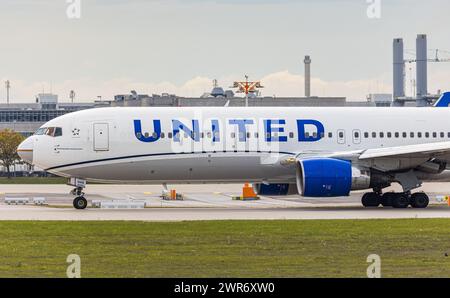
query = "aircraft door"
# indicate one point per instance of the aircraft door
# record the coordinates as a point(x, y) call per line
point(101, 137)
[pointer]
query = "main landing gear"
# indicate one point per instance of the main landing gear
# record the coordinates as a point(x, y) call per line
point(79, 202)
point(408, 181)
point(396, 200)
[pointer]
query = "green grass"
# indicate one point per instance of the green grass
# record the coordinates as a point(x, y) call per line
point(33, 180)
point(339, 248)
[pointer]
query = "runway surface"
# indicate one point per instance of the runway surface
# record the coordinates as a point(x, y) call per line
point(203, 202)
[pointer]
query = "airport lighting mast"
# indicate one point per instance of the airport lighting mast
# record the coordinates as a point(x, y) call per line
point(72, 95)
point(247, 87)
point(8, 86)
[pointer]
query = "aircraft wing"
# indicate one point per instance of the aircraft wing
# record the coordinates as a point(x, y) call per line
point(389, 158)
point(429, 150)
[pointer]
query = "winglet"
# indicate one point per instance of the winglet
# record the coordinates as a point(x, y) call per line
point(443, 101)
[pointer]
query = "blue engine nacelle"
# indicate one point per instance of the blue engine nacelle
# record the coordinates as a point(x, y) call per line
point(282, 189)
point(327, 177)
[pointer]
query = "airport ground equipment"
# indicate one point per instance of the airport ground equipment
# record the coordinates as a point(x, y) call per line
point(39, 201)
point(124, 204)
point(16, 201)
point(96, 203)
point(118, 204)
point(171, 195)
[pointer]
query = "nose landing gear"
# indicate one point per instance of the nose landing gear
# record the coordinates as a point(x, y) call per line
point(79, 202)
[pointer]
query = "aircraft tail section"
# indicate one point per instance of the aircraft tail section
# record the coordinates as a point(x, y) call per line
point(443, 101)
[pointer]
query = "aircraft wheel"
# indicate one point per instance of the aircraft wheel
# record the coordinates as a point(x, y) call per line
point(400, 200)
point(80, 203)
point(419, 200)
point(386, 199)
point(371, 199)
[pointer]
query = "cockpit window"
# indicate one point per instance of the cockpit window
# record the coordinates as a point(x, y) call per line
point(49, 131)
point(58, 132)
point(41, 131)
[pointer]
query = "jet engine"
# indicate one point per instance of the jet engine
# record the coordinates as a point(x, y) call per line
point(328, 177)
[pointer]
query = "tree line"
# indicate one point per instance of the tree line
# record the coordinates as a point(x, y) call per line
point(9, 141)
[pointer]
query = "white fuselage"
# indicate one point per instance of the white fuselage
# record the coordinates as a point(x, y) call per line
point(225, 144)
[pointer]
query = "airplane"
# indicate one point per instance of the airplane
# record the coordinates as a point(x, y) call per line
point(310, 151)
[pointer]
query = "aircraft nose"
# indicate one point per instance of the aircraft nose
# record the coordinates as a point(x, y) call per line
point(25, 150)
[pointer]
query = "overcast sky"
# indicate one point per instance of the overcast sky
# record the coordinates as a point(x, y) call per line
point(180, 46)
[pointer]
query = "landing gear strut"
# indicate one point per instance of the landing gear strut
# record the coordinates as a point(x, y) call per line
point(79, 202)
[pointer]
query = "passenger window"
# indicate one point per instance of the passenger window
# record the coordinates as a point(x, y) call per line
point(322, 135)
point(442, 135)
point(448, 135)
point(233, 135)
point(341, 134)
point(256, 135)
point(434, 135)
point(427, 135)
point(208, 135)
point(291, 135)
point(154, 135)
point(330, 135)
point(366, 135)
point(356, 134)
point(374, 135)
point(162, 135)
point(389, 135)
point(381, 134)
point(419, 134)
point(397, 134)
point(169, 135)
point(404, 134)
point(411, 135)
point(307, 135)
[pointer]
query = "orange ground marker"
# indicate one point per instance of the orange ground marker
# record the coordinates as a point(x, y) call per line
point(248, 192)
